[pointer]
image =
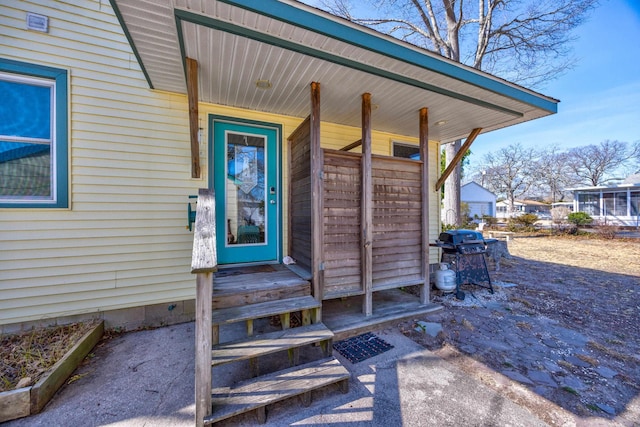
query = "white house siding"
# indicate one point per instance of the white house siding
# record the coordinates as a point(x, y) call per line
point(123, 243)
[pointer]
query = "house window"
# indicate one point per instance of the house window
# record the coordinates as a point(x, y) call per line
point(635, 203)
point(33, 136)
point(589, 203)
point(406, 151)
point(615, 204)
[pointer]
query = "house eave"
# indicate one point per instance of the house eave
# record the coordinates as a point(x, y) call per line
point(300, 44)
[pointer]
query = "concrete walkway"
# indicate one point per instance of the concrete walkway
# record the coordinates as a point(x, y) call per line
point(146, 378)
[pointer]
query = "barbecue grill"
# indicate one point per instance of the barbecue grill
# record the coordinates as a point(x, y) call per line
point(465, 249)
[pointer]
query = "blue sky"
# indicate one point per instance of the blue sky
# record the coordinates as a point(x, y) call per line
point(599, 98)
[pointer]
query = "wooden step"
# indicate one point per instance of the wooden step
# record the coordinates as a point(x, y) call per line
point(241, 286)
point(259, 392)
point(259, 345)
point(264, 309)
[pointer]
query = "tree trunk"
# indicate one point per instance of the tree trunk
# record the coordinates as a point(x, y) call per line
point(452, 188)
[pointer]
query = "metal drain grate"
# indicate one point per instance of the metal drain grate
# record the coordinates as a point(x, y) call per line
point(362, 347)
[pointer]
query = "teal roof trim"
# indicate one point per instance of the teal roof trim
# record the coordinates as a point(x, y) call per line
point(301, 18)
point(127, 34)
point(209, 22)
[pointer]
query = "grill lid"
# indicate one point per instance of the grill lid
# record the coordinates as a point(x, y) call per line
point(457, 237)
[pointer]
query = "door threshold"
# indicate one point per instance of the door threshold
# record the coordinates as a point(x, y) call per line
point(247, 264)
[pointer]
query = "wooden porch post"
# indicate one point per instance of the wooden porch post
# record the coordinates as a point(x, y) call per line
point(192, 95)
point(317, 204)
point(366, 207)
point(424, 156)
point(204, 263)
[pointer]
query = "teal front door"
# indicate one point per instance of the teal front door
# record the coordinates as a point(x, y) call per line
point(246, 181)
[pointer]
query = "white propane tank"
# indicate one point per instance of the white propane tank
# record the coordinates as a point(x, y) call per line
point(445, 278)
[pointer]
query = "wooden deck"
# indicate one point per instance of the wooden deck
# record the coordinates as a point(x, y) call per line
point(345, 318)
point(241, 286)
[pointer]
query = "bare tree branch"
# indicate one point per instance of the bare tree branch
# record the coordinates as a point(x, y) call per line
point(596, 164)
point(526, 42)
point(510, 172)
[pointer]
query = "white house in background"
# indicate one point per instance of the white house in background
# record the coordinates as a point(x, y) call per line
point(568, 205)
point(521, 207)
point(617, 204)
point(481, 201)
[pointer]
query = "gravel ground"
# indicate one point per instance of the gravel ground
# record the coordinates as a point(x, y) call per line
point(563, 326)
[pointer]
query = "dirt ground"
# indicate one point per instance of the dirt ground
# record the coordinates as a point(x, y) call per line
point(576, 308)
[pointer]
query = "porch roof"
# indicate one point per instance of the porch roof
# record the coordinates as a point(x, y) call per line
point(288, 44)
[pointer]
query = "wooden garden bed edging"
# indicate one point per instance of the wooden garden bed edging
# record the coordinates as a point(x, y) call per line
point(27, 401)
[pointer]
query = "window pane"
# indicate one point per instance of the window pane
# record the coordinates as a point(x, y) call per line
point(25, 138)
point(25, 169)
point(621, 204)
point(589, 203)
point(25, 110)
point(635, 203)
point(406, 151)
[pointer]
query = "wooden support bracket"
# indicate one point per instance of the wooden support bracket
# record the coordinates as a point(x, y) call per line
point(352, 145)
point(456, 159)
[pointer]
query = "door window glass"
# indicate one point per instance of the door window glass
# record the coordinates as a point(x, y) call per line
point(245, 189)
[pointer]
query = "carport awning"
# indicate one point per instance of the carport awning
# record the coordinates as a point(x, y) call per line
point(238, 43)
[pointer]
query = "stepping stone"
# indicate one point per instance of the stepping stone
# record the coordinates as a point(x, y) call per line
point(468, 349)
point(542, 377)
point(570, 337)
point(573, 383)
point(430, 328)
point(498, 345)
point(517, 376)
point(551, 366)
point(606, 408)
point(605, 372)
point(577, 362)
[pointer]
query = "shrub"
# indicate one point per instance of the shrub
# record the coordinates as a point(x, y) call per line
point(524, 222)
point(559, 217)
point(560, 214)
point(606, 231)
point(447, 227)
point(489, 220)
point(579, 218)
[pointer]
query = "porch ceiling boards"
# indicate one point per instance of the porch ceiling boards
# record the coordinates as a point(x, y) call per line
point(238, 42)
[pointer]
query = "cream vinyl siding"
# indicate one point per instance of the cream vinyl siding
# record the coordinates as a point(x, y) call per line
point(123, 243)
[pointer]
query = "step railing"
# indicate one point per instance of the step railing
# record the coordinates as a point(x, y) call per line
point(204, 262)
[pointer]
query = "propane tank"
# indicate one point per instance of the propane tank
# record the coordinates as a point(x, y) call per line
point(445, 278)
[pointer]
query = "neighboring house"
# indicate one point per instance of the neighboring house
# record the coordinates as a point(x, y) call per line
point(617, 204)
point(114, 113)
point(481, 201)
point(521, 207)
point(568, 205)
